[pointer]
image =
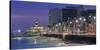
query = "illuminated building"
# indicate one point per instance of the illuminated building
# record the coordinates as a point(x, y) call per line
point(36, 29)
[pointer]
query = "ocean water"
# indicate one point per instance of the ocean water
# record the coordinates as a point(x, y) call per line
point(28, 43)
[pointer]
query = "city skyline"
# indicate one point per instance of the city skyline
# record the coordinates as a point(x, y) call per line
point(23, 13)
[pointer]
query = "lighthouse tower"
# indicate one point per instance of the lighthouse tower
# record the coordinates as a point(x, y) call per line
point(35, 29)
point(36, 22)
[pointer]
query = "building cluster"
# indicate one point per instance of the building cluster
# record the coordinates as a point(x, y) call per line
point(73, 20)
point(69, 20)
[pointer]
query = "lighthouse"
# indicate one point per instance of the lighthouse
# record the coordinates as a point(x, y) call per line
point(36, 29)
point(36, 22)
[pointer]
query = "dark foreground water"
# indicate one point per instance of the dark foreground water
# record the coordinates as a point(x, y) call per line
point(44, 42)
point(28, 43)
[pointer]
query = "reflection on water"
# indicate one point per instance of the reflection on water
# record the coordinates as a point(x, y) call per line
point(29, 42)
point(40, 42)
point(35, 41)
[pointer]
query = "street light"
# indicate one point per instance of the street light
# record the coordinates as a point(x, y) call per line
point(80, 18)
point(90, 16)
point(59, 24)
point(94, 17)
point(71, 22)
point(84, 19)
point(76, 21)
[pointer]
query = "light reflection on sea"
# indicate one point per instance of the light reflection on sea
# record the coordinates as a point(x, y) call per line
point(29, 42)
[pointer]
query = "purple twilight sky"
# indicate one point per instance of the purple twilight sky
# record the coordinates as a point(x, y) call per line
point(23, 13)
